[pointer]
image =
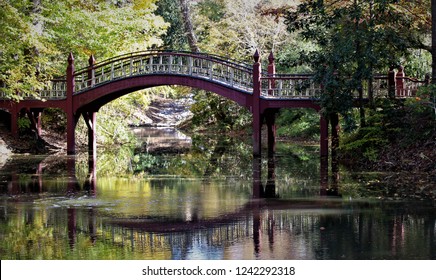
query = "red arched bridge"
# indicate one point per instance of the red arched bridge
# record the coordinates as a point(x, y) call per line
point(84, 92)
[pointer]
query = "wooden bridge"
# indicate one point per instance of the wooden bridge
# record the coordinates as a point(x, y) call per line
point(84, 92)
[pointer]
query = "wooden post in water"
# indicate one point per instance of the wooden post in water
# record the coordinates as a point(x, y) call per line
point(91, 116)
point(255, 109)
point(334, 122)
point(71, 118)
point(270, 118)
point(270, 115)
point(91, 120)
point(324, 137)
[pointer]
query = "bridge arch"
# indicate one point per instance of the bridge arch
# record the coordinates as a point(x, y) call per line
point(96, 97)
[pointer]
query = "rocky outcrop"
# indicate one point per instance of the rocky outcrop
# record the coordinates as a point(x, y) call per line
point(4, 152)
point(168, 112)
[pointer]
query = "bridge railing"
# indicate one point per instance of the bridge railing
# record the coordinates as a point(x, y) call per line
point(303, 87)
point(407, 87)
point(289, 86)
point(54, 89)
point(380, 86)
point(202, 66)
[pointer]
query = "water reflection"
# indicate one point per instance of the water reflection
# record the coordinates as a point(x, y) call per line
point(54, 208)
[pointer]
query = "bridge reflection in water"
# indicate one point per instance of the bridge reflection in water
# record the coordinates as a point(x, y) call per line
point(265, 227)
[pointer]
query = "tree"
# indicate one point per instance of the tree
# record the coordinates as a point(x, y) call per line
point(355, 39)
point(22, 49)
point(234, 28)
point(174, 38)
point(433, 40)
point(189, 29)
point(37, 36)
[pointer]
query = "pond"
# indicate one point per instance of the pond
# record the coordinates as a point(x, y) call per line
point(211, 200)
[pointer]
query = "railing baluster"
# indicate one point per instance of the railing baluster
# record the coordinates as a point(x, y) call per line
point(112, 71)
point(131, 66)
point(160, 64)
point(210, 69)
point(190, 65)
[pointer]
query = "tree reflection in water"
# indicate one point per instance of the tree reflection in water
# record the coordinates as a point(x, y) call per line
point(53, 209)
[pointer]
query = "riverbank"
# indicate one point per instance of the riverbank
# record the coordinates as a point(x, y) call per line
point(48, 143)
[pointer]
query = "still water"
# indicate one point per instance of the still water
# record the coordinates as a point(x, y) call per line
point(212, 201)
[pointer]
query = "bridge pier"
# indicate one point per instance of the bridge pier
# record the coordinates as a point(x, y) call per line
point(324, 137)
point(91, 121)
point(71, 116)
point(270, 118)
point(255, 108)
point(14, 122)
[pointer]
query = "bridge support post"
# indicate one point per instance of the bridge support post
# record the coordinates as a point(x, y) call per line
point(91, 116)
point(334, 122)
point(14, 121)
point(71, 117)
point(91, 121)
point(270, 118)
point(255, 109)
point(257, 176)
point(324, 137)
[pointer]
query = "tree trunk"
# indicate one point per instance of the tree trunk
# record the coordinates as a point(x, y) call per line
point(38, 26)
point(189, 30)
point(433, 41)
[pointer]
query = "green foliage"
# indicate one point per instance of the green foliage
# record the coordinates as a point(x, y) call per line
point(54, 119)
point(147, 163)
point(354, 40)
point(38, 35)
point(23, 123)
point(24, 51)
point(396, 123)
point(214, 10)
point(104, 28)
point(214, 112)
point(425, 101)
point(174, 38)
point(367, 142)
point(302, 124)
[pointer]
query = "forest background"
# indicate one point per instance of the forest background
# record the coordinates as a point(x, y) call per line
point(343, 43)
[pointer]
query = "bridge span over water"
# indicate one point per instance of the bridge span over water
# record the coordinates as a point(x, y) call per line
point(263, 93)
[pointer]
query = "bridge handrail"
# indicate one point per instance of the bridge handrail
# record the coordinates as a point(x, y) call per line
point(408, 86)
point(212, 57)
point(216, 69)
point(297, 86)
point(289, 86)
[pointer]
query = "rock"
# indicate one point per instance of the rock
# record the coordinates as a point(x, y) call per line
point(168, 112)
point(4, 152)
